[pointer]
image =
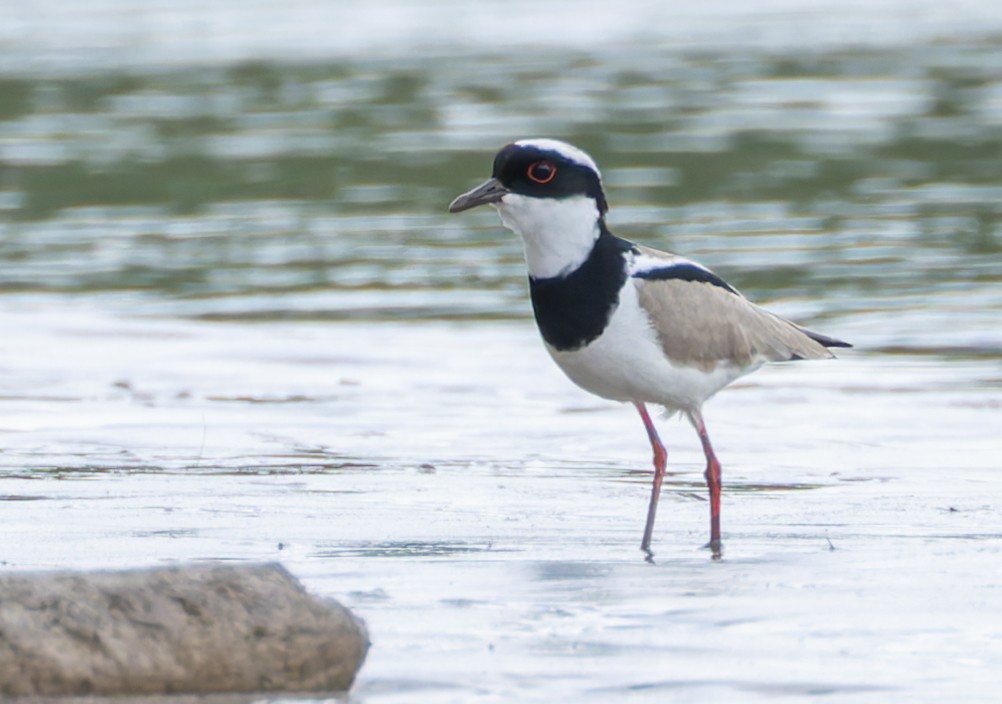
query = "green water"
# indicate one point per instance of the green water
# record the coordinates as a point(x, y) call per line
point(267, 191)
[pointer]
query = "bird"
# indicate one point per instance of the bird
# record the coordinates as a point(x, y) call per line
point(624, 321)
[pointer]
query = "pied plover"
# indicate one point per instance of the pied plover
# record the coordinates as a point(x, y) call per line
point(626, 322)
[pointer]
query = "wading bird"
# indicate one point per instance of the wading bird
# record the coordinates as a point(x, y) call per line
point(626, 322)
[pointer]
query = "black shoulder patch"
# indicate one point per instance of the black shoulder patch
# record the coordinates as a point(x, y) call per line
point(685, 272)
point(573, 310)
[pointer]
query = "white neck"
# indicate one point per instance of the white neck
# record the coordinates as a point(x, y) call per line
point(558, 234)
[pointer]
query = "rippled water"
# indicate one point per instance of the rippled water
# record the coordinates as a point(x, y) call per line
point(237, 323)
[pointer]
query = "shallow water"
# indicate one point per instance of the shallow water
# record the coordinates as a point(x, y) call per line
point(236, 323)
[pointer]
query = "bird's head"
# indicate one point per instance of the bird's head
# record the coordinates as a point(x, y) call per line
point(550, 193)
point(538, 169)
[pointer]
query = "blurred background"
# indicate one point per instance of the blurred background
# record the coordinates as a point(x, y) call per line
point(269, 160)
point(236, 322)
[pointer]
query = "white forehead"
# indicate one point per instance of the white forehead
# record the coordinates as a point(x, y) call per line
point(568, 151)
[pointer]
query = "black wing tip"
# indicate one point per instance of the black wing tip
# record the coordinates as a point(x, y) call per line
point(824, 340)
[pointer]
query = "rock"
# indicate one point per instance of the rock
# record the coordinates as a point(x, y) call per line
point(184, 629)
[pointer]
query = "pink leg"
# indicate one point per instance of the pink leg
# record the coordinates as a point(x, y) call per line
point(660, 460)
point(713, 481)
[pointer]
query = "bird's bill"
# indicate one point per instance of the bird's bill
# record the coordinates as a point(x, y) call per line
point(490, 191)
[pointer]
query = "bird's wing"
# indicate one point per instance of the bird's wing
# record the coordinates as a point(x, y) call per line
point(702, 321)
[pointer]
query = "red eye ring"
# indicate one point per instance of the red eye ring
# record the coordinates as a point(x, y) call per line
point(541, 172)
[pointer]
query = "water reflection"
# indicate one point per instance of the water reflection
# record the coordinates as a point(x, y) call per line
point(266, 191)
point(404, 549)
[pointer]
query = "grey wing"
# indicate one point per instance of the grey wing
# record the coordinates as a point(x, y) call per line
point(702, 323)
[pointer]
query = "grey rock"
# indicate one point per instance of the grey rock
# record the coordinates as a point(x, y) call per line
point(185, 629)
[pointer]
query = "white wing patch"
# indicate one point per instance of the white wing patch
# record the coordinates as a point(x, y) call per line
point(647, 260)
point(649, 263)
point(643, 263)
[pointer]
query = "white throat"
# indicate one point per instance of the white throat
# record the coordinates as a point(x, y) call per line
point(558, 234)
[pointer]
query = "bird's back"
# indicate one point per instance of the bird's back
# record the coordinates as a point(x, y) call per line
point(703, 322)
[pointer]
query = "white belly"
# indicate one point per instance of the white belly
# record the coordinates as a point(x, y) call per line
point(626, 363)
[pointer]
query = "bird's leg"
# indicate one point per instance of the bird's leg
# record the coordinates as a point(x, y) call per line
point(660, 460)
point(712, 482)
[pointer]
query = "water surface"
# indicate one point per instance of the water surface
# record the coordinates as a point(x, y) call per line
point(236, 323)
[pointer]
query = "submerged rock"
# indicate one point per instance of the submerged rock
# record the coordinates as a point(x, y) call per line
point(184, 629)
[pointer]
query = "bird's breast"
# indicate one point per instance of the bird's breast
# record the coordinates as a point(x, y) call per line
point(626, 362)
point(574, 309)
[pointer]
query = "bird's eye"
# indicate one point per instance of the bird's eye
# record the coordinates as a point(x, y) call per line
point(542, 171)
